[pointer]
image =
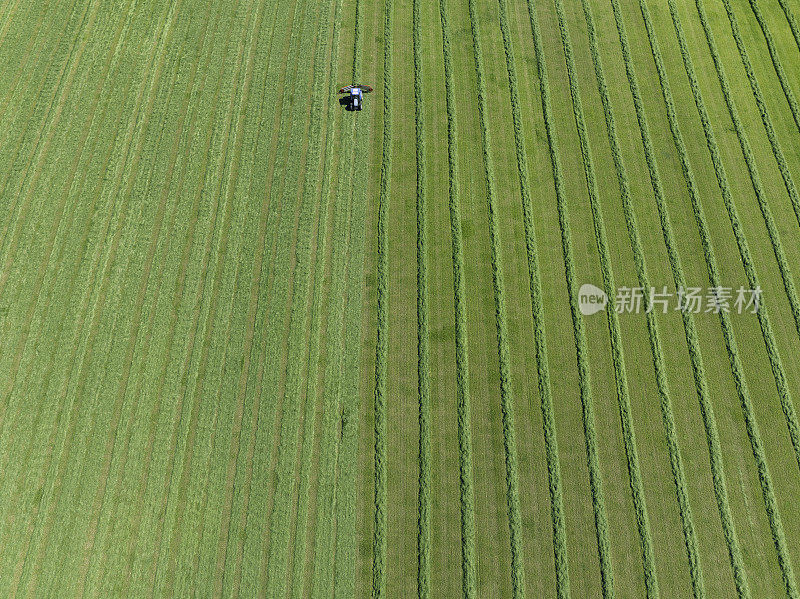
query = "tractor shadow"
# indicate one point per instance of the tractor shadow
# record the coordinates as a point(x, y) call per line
point(347, 102)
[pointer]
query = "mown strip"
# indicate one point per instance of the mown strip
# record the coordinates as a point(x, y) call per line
point(692, 338)
point(584, 379)
point(791, 20)
point(753, 433)
point(466, 493)
point(776, 62)
point(772, 229)
point(328, 101)
point(382, 344)
point(543, 371)
point(498, 285)
point(667, 414)
point(423, 342)
point(776, 364)
point(617, 351)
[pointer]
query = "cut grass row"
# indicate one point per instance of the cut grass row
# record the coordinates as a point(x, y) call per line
point(382, 344)
point(466, 493)
point(773, 141)
point(753, 433)
point(676, 463)
point(776, 62)
point(423, 350)
point(504, 357)
point(692, 338)
point(787, 11)
point(747, 260)
point(543, 371)
point(590, 435)
point(618, 357)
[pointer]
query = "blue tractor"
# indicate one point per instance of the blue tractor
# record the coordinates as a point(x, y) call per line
point(354, 100)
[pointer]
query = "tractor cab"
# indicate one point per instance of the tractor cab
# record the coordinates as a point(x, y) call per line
point(354, 98)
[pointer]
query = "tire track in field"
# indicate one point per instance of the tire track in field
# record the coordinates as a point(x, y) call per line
point(325, 529)
point(466, 493)
point(46, 378)
point(275, 559)
point(116, 44)
point(498, 286)
point(97, 310)
point(595, 480)
point(7, 18)
point(379, 540)
point(177, 300)
point(221, 252)
point(543, 371)
point(692, 339)
point(29, 121)
point(299, 579)
point(52, 116)
point(325, 546)
point(268, 227)
point(154, 302)
point(615, 334)
point(676, 463)
point(250, 350)
point(281, 275)
point(346, 525)
point(50, 125)
point(423, 351)
point(737, 370)
point(772, 229)
point(122, 385)
point(30, 58)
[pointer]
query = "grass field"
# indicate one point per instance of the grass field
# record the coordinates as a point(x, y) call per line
point(255, 345)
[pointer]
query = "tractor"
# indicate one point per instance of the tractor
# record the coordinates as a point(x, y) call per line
point(354, 100)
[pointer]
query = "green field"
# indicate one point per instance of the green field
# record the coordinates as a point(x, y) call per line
point(255, 345)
